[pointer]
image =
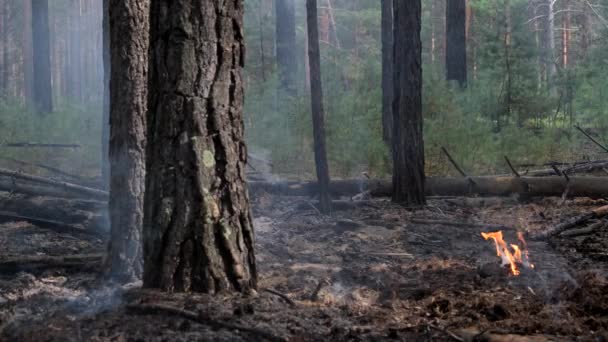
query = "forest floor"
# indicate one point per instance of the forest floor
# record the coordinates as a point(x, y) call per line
point(371, 271)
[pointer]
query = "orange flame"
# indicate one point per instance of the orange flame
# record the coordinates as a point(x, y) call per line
point(511, 257)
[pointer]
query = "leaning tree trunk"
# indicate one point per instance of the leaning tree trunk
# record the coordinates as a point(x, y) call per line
point(129, 41)
point(456, 42)
point(387, 70)
point(408, 144)
point(318, 113)
point(198, 233)
point(286, 44)
point(43, 91)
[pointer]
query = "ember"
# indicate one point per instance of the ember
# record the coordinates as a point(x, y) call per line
point(510, 257)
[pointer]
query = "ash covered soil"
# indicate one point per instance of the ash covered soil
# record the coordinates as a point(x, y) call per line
point(372, 271)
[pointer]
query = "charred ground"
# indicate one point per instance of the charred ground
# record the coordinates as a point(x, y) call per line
point(371, 271)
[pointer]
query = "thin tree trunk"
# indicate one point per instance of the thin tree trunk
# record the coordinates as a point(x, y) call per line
point(318, 112)
point(105, 121)
point(198, 233)
point(43, 91)
point(408, 144)
point(286, 44)
point(387, 70)
point(129, 41)
point(456, 49)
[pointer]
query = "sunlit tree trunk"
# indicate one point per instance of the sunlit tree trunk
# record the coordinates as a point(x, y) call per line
point(318, 112)
point(387, 70)
point(549, 44)
point(129, 41)
point(198, 233)
point(286, 44)
point(408, 143)
point(456, 49)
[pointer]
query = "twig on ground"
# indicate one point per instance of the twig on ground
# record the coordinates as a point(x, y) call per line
point(446, 331)
point(315, 295)
point(456, 223)
point(281, 295)
point(195, 317)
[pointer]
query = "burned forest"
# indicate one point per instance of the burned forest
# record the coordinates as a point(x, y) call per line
point(303, 170)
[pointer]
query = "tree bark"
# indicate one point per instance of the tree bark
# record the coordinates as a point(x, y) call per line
point(387, 70)
point(43, 91)
point(456, 45)
point(198, 233)
point(408, 144)
point(129, 41)
point(286, 44)
point(318, 112)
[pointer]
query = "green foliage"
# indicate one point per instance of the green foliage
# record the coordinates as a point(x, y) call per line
point(507, 108)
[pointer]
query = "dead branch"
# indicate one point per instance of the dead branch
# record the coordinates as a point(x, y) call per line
point(447, 332)
point(195, 317)
point(511, 167)
point(281, 295)
point(584, 231)
point(572, 222)
point(458, 168)
point(591, 138)
point(38, 264)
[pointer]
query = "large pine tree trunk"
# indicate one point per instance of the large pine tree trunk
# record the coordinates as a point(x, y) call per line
point(198, 233)
point(456, 45)
point(318, 112)
point(43, 91)
point(129, 41)
point(408, 144)
point(387, 70)
point(286, 44)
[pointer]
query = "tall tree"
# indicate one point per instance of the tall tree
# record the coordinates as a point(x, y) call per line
point(387, 69)
point(286, 44)
point(548, 22)
point(318, 112)
point(105, 121)
point(456, 42)
point(198, 233)
point(43, 91)
point(28, 54)
point(408, 144)
point(129, 41)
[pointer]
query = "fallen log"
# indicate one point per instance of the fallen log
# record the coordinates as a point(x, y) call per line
point(36, 145)
point(571, 223)
point(74, 189)
point(593, 187)
point(71, 211)
point(43, 167)
point(56, 226)
point(38, 264)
